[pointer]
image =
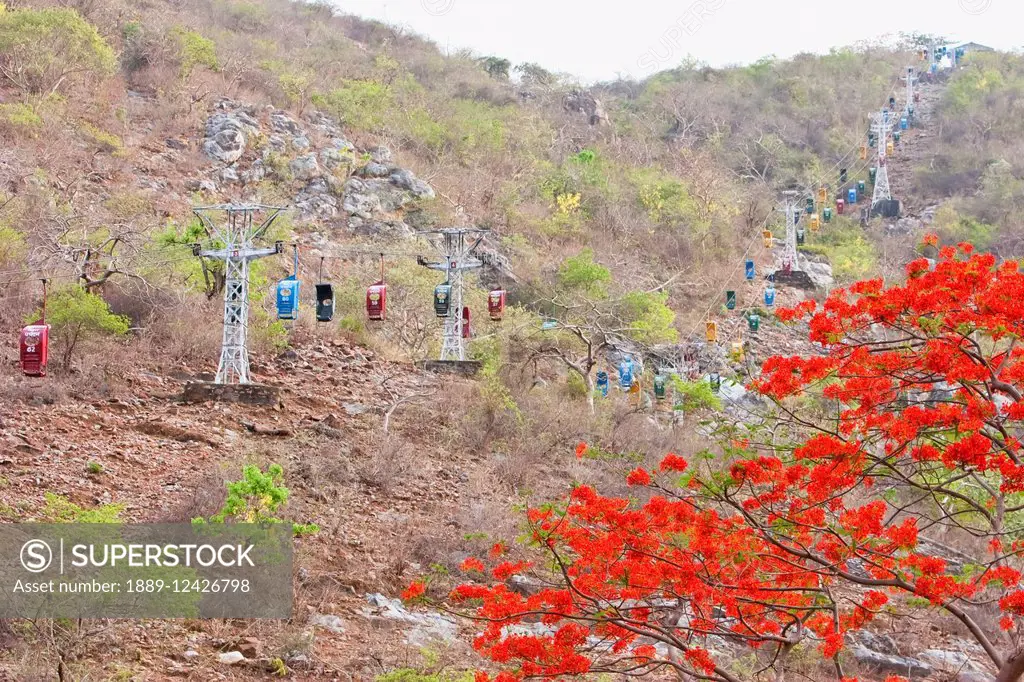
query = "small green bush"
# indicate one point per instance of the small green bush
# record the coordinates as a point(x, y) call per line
point(47, 50)
point(101, 139)
point(76, 316)
point(360, 104)
point(58, 509)
point(257, 498)
point(194, 50)
point(19, 118)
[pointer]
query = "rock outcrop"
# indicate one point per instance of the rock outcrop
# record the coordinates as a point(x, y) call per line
point(332, 182)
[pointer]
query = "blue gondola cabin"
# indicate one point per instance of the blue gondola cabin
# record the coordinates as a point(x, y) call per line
point(288, 299)
point(749, 268)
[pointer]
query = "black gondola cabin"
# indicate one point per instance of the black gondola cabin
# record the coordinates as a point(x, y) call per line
point(442, 300)
point(324, 302)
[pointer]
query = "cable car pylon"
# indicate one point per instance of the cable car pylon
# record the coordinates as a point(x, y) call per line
point(238, 235)
point(456, 246)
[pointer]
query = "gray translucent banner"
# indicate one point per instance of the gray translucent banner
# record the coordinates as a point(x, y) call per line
point(100, 570)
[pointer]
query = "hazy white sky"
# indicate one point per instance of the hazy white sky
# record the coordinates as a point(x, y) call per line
point(598, 39)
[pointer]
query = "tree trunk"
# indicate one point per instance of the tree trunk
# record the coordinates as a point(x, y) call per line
point(588, 381)
point(1012, 668)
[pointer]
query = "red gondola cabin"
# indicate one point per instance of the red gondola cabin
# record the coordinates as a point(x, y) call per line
point(840, 205)
point(465, 323)
point(35, 342)
point(377, 301)
point(496, 304)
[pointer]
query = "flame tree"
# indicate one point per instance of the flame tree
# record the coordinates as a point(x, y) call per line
point(895, 445)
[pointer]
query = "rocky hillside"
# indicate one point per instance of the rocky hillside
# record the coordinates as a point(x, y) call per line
point(619, 214)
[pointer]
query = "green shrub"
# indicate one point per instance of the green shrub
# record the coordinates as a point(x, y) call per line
point(101, 139)
point(649, 317)
point(20, 119)
point(360, 104)
point(76, 316)
point(59, 509)
point(694, 395)
point(580, 273)
point(257, 498)
point(195, 50)
point(12, 244)
point(47, 50)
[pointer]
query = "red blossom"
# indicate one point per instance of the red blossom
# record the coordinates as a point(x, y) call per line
point(416, 590)
point(638, 477)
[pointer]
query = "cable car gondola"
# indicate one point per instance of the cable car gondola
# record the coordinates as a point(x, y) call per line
point(660, 381)
point(377, 297)
point(496, 304)
point(730, 300)
point(442, 299)
point(324, 298)
point(711, 331)
point(34, 344)
point(769, 296)
point(750, 270)
point(288, 292)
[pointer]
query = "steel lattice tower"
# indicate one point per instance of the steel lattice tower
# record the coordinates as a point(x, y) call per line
point(911, 78)
point(789, 256)
point(456, 247)
point(237, 235)
point(881, 125)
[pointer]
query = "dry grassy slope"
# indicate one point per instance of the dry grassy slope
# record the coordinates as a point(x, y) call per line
point(166, 461)
point(389, 505)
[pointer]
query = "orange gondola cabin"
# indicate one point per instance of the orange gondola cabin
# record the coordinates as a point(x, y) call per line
point(35, 342)
point(377, 301)
point(496, 304)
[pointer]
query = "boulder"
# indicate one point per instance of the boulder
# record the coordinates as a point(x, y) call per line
point(334, 158)
point(360, 200)
point(197, 185)
point(328, 622)
point(231, 658)
point(421, 627)
point(305, 167)
point(890, 663)
point(405, 179)
point(380, 154)
point(229, 175)
point(226, 135)
point(341, 144)
point(257, 172)
point(315, 201)
point(583, 102)
point(380, 228)
point(283, 123)
point(374, 170)
point(300, 142)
